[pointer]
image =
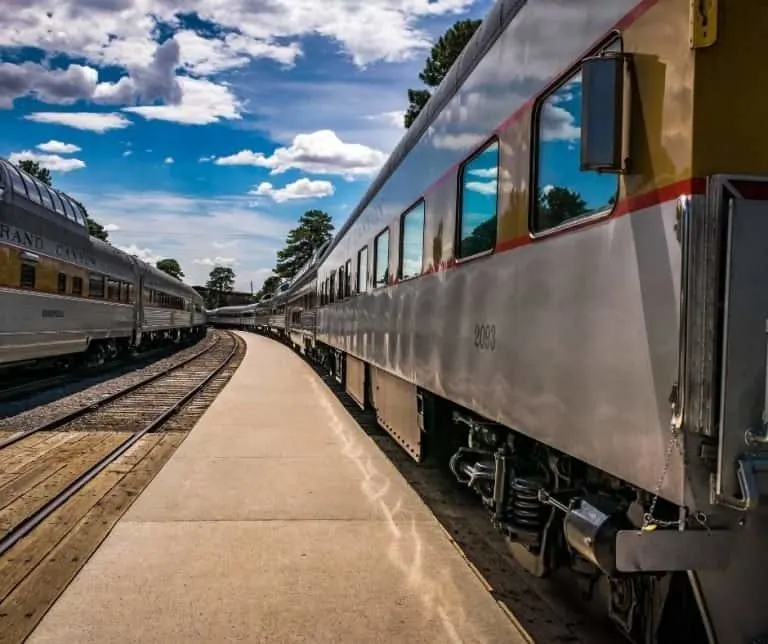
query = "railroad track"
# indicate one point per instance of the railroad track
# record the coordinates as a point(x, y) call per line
point(66, 482)
point(30, 384)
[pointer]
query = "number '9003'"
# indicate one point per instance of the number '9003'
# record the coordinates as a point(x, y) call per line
point(485, 337)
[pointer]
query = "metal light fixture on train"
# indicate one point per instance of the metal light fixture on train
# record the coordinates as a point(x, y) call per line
point(604, 113)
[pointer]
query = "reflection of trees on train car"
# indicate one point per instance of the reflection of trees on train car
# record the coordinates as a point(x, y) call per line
point(482, 238)
point(556, 205)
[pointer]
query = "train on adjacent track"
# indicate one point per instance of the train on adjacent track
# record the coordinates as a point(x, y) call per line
point(558, 283)
point(66, 296)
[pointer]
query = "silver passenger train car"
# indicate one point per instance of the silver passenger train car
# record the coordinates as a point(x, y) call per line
point(558, 285)
point(67, 295)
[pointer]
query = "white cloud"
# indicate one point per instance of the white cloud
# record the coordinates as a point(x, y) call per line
point(53, 162)
point(111, 228)
point(558, 124)
point(127, 153)
point(485, 173)
point(57, 147)
point(168, 160)
point(482, 187)
point(206, 56)
point(457, 141)
point(190, 227)
point(320, 152)
point(215, 261)
point(150, 82)
point(302, 189)
point(92, 121)
point(120, 32)
point(144, 254)
point(61, 86)
point(202, 103)
point(394, 118)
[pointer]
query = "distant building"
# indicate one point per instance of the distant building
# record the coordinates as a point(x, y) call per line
point(230, 298)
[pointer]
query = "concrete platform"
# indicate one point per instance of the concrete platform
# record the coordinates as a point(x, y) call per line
point(277, 520)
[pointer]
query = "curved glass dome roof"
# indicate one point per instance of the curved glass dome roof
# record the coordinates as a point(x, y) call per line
point(26, 186)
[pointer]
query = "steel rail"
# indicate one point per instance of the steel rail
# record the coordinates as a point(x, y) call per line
point(65, 418)
point(22, 529)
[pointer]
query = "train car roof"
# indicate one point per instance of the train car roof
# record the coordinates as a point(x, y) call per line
point(29, 188)
point(154, 277)
point(497, 19)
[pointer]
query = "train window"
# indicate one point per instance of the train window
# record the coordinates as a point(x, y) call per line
point(28, 275)
point(381, 259)
point(95, 285)
point(362, 270)
point(46, 195)
point(562, 191)
point(68, 209)
point(348, 278)
point(57, 203)
point(16, 180)
point(61, 284)
point(32, 191)
point(113, 290)
point(412, 241)
point(479, 191)
point(77, 286)
point(332, 288)
point(340, 283)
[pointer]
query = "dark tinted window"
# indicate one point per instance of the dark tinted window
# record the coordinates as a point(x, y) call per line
point(381, 259)
point(95, 285)
point(348, 278)
point(28, 274)
point(62, 283)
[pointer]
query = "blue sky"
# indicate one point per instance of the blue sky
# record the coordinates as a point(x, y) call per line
point(202, 130)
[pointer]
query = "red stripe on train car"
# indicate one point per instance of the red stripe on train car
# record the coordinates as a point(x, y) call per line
point(623, 23)
point(694, 186)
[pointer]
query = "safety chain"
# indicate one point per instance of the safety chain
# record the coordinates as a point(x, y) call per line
point(649, 521)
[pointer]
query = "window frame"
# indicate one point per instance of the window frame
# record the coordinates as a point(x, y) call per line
point(360, 271)
point(386, 231)
point(613, 37)
point(348, 278)
point(101, 279)
point(401, 242)
point(28, 265)
point(494, 138)
point(61, 277)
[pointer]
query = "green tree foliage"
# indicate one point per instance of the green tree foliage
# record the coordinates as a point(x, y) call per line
point(170, 266)
point(220, 280)
point(557, 205)
point(95, 229)
point(314, 229)
point(481, 238)
point(270, 286)
point(36, 170)
point(444, 53)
